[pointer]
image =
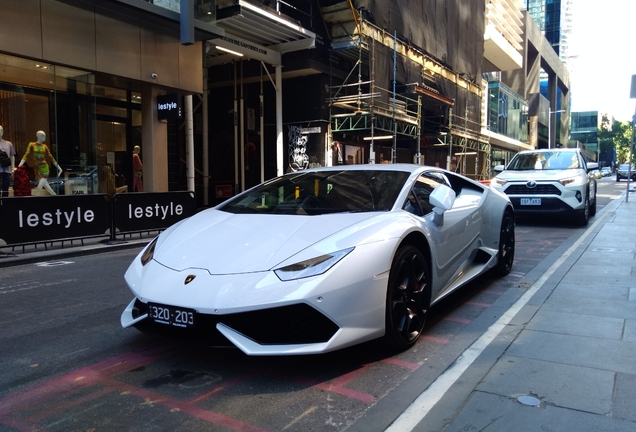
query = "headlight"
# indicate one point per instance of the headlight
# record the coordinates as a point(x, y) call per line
point(311, 267)
point(567, 181)
point(499, 182)
point(149, 252)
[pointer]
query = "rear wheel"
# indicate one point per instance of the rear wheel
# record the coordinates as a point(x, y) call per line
point(408, 298)
point(506, 253)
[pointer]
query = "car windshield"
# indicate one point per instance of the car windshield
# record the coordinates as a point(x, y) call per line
point(544, 161)
point(315, 193)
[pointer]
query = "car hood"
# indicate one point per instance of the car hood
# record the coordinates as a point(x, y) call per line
point(226, 243)
point(539, 175)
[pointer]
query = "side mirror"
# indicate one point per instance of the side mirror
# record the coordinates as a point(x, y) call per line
point(499, 168)
point(442, 198)
point(592, 166)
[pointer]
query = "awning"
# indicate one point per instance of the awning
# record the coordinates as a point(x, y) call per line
point(256, 31)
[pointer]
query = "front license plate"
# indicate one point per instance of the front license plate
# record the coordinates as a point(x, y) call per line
point(171, 315)
point(531, 201)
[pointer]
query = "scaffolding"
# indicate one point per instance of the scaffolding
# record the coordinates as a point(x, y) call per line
point(359, 106)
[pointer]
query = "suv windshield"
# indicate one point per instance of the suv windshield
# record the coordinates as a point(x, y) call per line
point(314, 193)
point(544, 161)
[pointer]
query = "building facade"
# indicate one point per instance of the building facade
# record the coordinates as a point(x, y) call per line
point(262, 88)
point(87, 74)
point(584, 134)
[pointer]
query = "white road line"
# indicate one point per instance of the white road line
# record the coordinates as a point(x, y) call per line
point(429, 397)
point(54, 263)
point(23, 286)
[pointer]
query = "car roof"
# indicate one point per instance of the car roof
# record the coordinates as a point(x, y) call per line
point(557, 150)
point(405, 167)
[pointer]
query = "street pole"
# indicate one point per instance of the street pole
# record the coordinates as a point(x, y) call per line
point(629, 161)
point(549, 129)
point(632, 95)
point(550, 125)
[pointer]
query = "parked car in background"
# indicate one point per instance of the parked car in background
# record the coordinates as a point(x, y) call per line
point(549, 181)
point(623, 172)
point(597, 174)
point(606, 171)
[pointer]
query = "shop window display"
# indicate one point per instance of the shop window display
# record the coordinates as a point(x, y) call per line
point(75, 115)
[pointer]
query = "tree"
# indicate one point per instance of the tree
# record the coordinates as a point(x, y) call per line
point(615, 135)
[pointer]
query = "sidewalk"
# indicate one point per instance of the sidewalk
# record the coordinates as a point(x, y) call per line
point(562, 358)
point(33, 253)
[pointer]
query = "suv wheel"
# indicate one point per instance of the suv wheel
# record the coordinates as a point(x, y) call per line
point(584, 214)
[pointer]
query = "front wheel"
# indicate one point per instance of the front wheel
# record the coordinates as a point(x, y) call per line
point(408, 298)
point(593, 207)
point(506, 254)
point(584, 215)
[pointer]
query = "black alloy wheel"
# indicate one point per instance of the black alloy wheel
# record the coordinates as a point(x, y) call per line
point(506, 255)
point(408, 298)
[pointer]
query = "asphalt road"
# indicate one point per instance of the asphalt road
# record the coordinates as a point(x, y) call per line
point(68, 365)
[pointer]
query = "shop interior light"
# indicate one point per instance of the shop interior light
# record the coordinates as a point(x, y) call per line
point(467, 153)
point(378, 137)
point(228, 51)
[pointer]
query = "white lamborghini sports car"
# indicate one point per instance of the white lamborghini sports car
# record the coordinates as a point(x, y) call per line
point(321, 259)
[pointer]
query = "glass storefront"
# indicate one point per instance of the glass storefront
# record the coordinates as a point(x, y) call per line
point(507, 112)
point(89, 129)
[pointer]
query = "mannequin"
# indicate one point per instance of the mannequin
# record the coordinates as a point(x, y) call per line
point(40, 154)
point(138, 169)
point(6, 172)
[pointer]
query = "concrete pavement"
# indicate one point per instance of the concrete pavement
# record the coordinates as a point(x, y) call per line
point(556, 355)
point(563, 357)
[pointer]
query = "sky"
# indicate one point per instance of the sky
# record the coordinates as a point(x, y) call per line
point(604, 43)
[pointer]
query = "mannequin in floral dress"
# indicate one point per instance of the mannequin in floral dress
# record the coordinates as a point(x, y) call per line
point(40, 155)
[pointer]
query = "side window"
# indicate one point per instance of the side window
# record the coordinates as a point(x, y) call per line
point(421, 192)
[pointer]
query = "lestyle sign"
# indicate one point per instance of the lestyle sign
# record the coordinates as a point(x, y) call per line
point(168, 107)
point(35, 219)
point(151, 211)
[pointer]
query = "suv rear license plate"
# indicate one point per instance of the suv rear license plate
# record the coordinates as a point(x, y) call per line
point(171, 315)
point(531, 201)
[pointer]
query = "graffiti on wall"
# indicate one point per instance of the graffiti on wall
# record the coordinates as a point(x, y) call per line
point(297, 149)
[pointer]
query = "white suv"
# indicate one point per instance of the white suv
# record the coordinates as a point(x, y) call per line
point(549, 181)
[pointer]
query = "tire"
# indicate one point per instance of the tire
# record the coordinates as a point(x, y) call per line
point(506, 255)
point(584, 215)
point(593, 207)
point(408, 298)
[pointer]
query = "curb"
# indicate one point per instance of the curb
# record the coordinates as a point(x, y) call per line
point(36, 257)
